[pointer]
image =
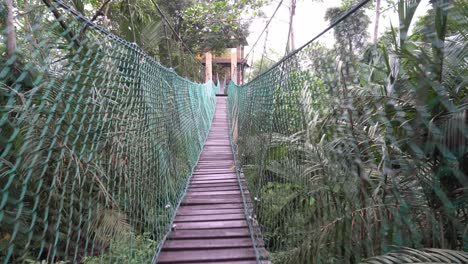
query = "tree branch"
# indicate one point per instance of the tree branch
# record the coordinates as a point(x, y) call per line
point(100, 11)
point(96, 15)
point(58, 16)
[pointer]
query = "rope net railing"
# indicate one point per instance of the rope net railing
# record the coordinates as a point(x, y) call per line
point(355, 151)
point(97, 142)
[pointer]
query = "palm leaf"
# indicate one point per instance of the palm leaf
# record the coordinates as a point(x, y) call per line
point(406, 11)
point(426, 255)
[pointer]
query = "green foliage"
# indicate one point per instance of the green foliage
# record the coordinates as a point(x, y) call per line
point(216, 25)
point(135, 250)
point(358, 151)
point(96, 142)
point(408, 255)
point(351, 37)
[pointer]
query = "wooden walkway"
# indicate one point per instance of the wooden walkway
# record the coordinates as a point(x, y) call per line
point(210, 225)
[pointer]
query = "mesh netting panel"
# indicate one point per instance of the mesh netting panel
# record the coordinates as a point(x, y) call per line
point(97, 143)
point(352, 150)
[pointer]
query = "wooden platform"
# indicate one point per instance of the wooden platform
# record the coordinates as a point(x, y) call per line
point(210, 225)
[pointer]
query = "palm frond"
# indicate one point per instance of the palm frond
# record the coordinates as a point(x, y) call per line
point(426, 255)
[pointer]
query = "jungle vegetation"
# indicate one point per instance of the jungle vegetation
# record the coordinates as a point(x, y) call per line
point(358, 152)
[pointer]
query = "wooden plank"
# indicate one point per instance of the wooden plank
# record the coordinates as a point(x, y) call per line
point(201, 201)
point(215, 166)
point(215, 196)
point(220, 155)
point(215, 157)
point(226, 181)
point(215, 152)
point(214, 171)
point(208, 243)
point(225, 174)
point(205, 179)
point(211, 224)
point(228, 171)
point(214, 189)
point(194, 181)
point(183, 211)
point(210, 194)
point(195, 193)
point(214, 206)
point(182, 256)
point(214, 177)
point(225, 162)
point(201, 185)
point(223, 148)
point(213, 217)
point(232, 262)
point(210, 233)
point(218, 184)
point(231, 180)
point(216, 162)
point(222, 164)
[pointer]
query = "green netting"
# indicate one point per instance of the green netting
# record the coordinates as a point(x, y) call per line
point(354, 149)
point(97, 142)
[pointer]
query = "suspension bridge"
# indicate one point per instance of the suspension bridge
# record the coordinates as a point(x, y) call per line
point(211, 224)
point(343, 154)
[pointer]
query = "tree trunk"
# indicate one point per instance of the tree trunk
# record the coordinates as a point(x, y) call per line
point(11, 30)
point(377, 16)
point(105, 10)
point(291, 25)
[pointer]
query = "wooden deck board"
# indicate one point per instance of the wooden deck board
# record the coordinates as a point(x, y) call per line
point(212, 233)
point(210, 217)
point(214, 181)
point(214, 178)
point(220, 184)
point(214, 196)
point(207, 243)
point(233, 262)
point(212, 207)
point(214, 171)
point(211, 189)
point(187, 212)
point(210, 224)
point(198, 193)
point(206, 255)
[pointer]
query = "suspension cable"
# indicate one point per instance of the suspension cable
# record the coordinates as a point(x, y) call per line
point(264, 29)
point(349, 12)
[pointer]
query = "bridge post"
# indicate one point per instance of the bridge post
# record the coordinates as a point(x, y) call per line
point(234, 65)
point(208, 66)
